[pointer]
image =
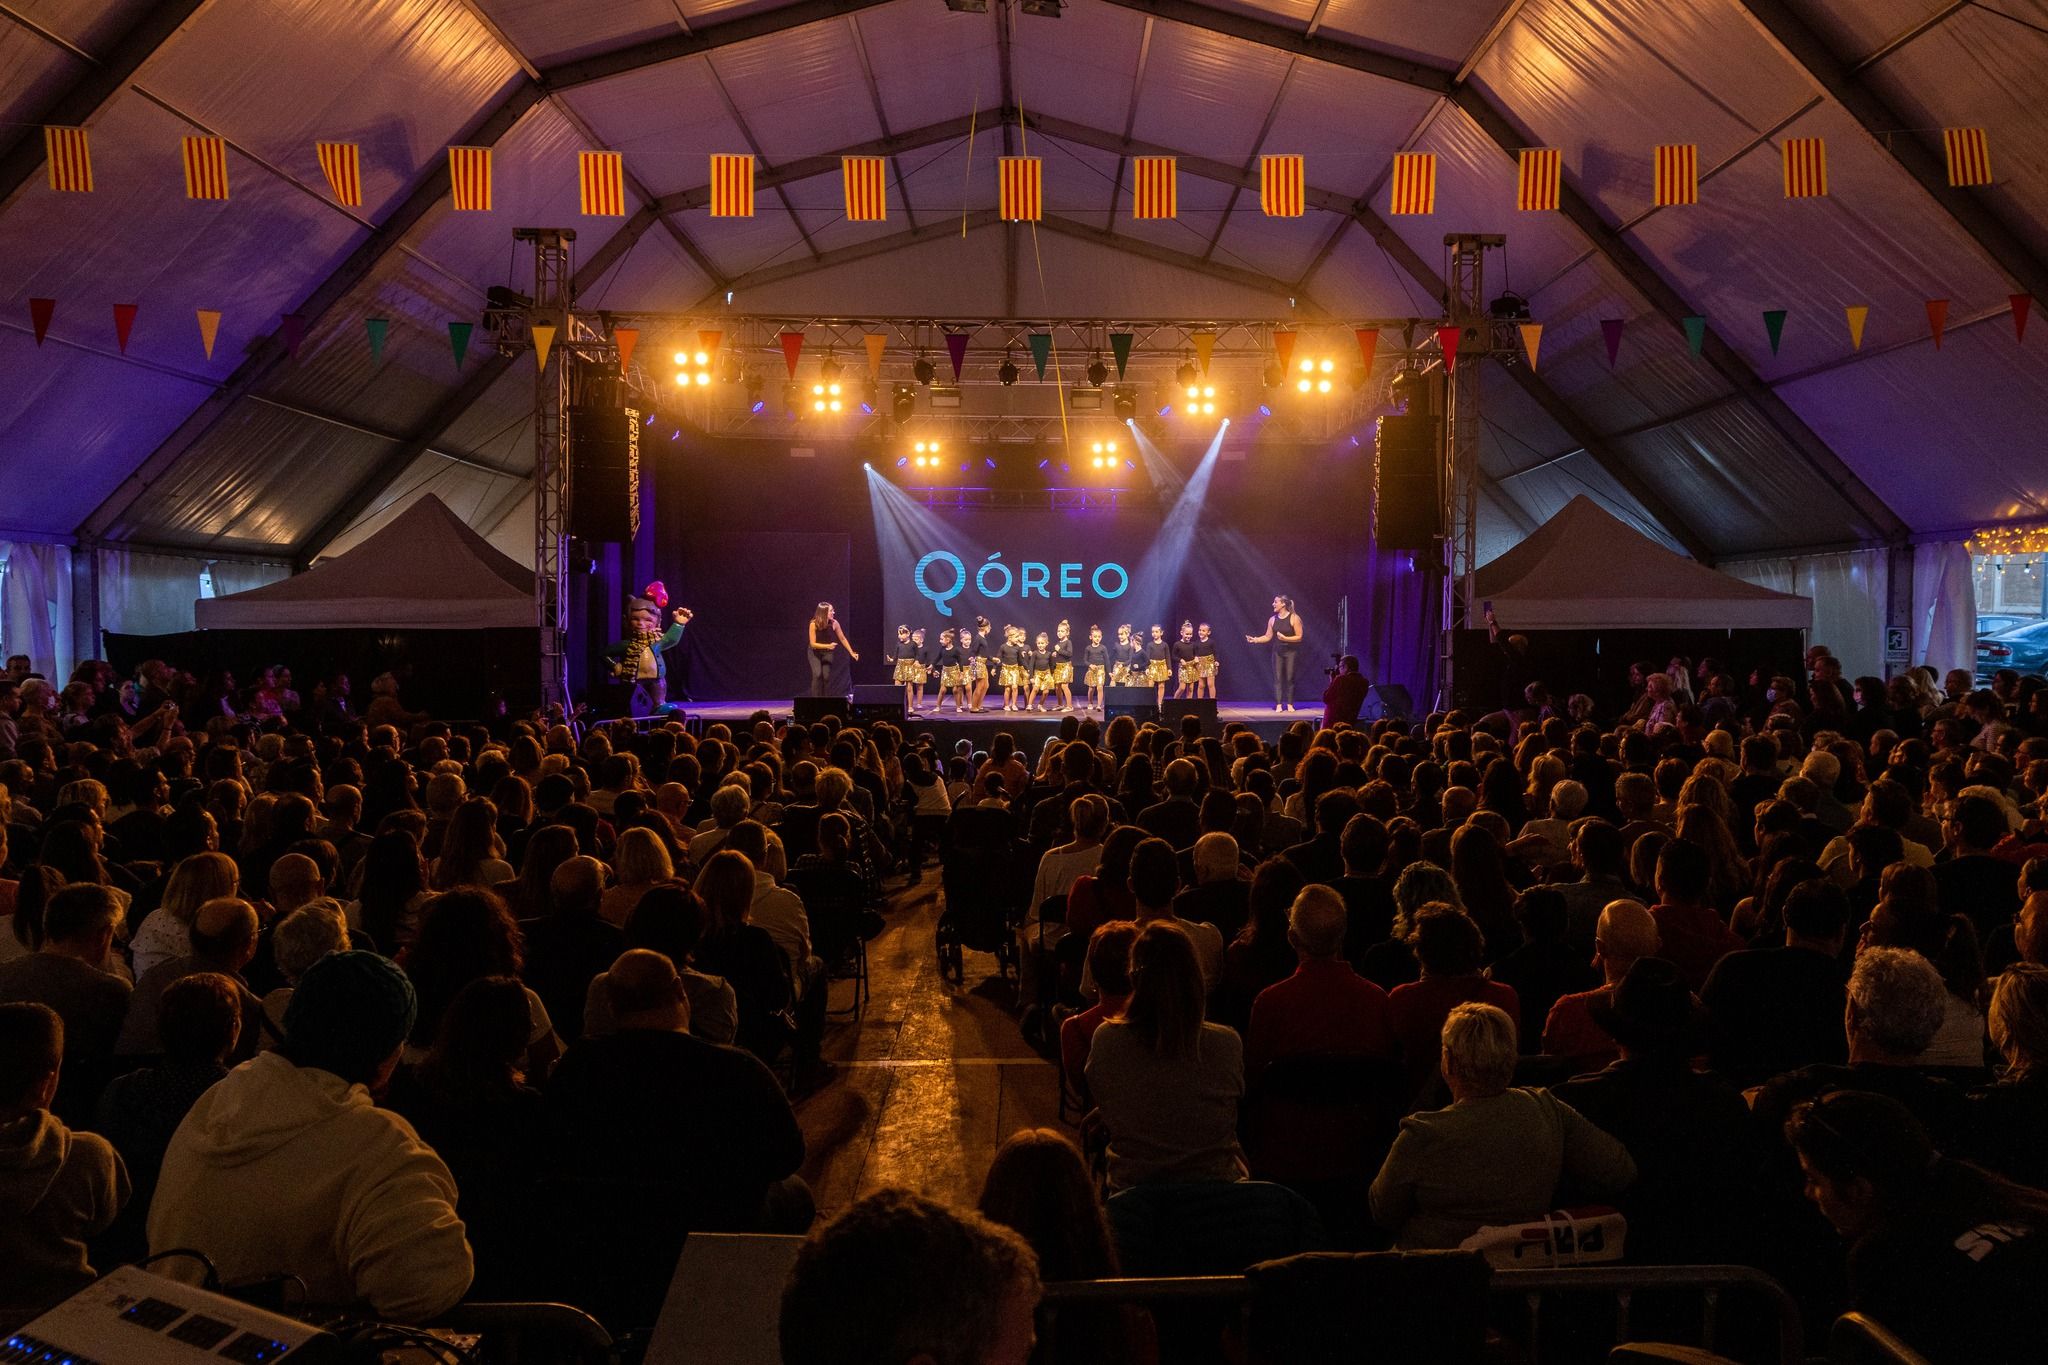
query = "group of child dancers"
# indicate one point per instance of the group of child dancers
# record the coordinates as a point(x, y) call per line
point(1034, 673)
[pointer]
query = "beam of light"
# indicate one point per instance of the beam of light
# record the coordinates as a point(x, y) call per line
point(1155, 583)
point(905, 531)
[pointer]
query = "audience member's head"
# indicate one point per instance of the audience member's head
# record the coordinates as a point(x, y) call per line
point(350, 1015)
point(199, 1019)
point(1896, 1004)
point(1626, 932)
point(31, 1055)
point(307, 934)
point(1479, 1051)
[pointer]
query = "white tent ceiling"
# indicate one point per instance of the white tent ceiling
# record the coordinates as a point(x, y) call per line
point(1735, 451)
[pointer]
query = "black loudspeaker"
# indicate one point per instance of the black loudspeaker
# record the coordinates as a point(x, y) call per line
point(1139, 703)
point(1390, 701)
point(859, 711)
point(1204, 708)
point(604, 473)
point(810, 710)
point(1407, 505)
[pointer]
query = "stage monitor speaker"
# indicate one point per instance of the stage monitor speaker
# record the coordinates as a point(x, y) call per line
point(1202, 708)
point(1139, 703)
point(604, 473)
point(1388, 701)
point(811, 710)
point(1407, 503)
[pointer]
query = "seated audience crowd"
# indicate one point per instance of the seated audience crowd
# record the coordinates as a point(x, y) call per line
point(1759, 972)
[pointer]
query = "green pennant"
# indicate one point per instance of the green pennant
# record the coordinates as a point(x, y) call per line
point(1774, 323)
point(1041, 350)
point(378, 329)
point(1120, 347)
point(458, 337)
point(1695, 332)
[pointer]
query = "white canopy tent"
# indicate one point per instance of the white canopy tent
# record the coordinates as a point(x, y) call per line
point(1586, 569)
point(425, 570)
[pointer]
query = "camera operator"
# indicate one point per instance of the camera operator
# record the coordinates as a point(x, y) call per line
point(1345, 694)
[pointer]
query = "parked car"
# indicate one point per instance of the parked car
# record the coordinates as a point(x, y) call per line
point(2023, 648)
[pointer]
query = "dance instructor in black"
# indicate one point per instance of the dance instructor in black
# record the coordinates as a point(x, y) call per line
point(1283, 632)
point(826, 638)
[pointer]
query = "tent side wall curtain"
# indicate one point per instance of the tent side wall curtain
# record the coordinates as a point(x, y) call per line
point(35, 613)
point(1848, 592)
point(1944, 606)
point(152, 594)
point(233, 576)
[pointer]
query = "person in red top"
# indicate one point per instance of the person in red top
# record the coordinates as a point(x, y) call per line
point(1449, 946)
point(1692, 935)
point(1109, 963)
point(1325, 1008)
point(1627, 932)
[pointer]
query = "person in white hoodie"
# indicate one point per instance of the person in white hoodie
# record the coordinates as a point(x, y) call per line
point(288, 1166)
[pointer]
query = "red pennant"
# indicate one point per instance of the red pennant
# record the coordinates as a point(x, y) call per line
point(1610, 332)
point(792, 347)
point(2021, 305)
point(40, 311)
point(1447, 340)
point(124, 323)
point(956, 347)
point(1937, 318)
point(1368, 346)
point(1283, 348)
point(293, 325)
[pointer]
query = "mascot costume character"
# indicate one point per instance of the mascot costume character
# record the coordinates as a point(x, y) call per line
point(636, 659)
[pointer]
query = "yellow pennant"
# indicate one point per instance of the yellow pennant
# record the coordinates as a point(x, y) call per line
point(1532, 340)
point(1205, 346)
point(876, 342)
point(209, 328)
point(543, 338)
point(1858, 315)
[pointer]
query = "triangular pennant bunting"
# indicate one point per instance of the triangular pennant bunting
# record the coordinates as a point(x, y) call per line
point(2022, 304)
point(1368, 346)
point(1937, 319)
point(293, 325)
point(209, 328)
point(876, 343)
point(1041, 350)
point(543, 342)
point(379, 329)
point(1532, 341)
point(1120, 347)
point(1205, 347)
point(792, 348)
point(458, 340)
point(956, 351)
point(1283, 348)
point(40, 311)
point(1447, 342)
point(1774, 326)
point(1610, 332)
point(1858, 314)
point(626, 338)
point(124, 323)
point(1695, 333)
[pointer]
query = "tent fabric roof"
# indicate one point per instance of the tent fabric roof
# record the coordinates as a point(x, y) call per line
point(1584, 569)
point(424, 570)
point(1742, 450)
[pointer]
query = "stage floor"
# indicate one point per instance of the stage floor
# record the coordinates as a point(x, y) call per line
point(1029, 727)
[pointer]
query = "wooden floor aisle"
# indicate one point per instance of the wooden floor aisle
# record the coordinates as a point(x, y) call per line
point(930, 1080)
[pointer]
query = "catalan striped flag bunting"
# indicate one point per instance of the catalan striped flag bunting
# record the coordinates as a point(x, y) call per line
point(1540, 183)
point(732, 185)
point(1532, 341)
point(1969, 156)
point(1677, 174)
point(469, 178)
point(1858, 314)
point(1022, 183)
point(1283, 187)
point(1155, 187)
point(342, 164)
point(69, 152)
point(209, 328)
point(867, 188)
point(1806, 168)
point(601, 184)
point(206, 168)
point(1414, 186)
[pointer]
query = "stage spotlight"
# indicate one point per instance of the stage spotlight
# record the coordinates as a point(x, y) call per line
point(731, 369)
point(1098, 373)
point(1322, 386)
point(1274, 375)
point(1043, 463)
point(830, 369)
point(870, 395)
point(1126, 402)
point(903, 403)
point(1509, 307)
point(1327, 365)
point(792, 398)
point(902, 462)
point(989, 462)
point(1304, 385)
point(1187, 374)
point(1265, 411)
point(1308, 366)
point(754, 386)
point(758, 406)
point(1008, 373)
point(1041, 9)
point(923, 370)
point(968, 6)
point(650, 419)
point(865, 465)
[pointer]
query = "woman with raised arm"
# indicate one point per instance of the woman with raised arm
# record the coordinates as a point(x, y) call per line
point(1283, 632)
point(826, 639)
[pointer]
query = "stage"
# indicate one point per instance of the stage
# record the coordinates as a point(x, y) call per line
point(1030, 728)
